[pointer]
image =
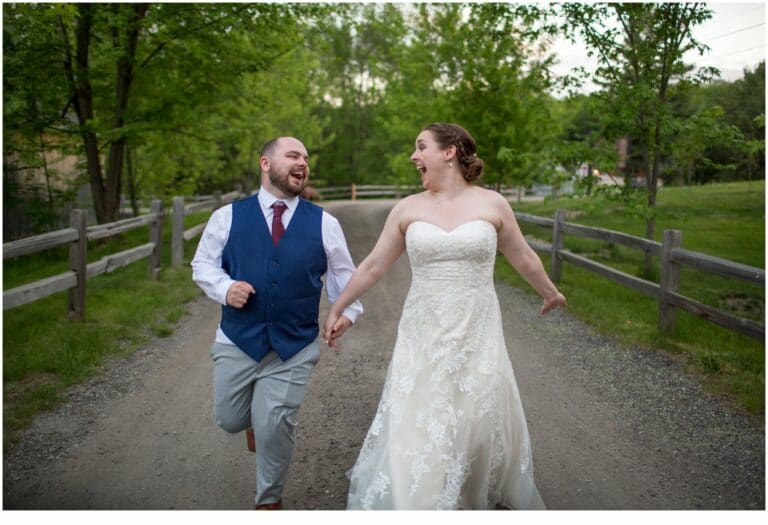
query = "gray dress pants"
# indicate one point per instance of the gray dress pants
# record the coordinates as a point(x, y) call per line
point(265, 395)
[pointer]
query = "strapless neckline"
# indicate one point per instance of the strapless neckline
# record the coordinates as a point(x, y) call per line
point(448, 232)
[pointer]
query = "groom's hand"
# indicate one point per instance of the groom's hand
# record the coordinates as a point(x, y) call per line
point(238, 294)
point(334, 329)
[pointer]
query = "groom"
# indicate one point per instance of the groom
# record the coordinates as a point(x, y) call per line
point(262, 259)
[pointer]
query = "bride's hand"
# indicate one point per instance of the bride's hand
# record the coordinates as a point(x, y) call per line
point(330, 320)
point(334, 327)
point(552, 303)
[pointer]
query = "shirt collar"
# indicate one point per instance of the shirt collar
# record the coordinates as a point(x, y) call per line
point(266, 200)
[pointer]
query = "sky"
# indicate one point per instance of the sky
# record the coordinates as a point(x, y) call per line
point(735, 34)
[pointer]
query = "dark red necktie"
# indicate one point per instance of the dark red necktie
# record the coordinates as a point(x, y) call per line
point(277, 221)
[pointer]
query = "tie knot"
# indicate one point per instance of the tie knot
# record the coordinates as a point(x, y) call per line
point(279, 208)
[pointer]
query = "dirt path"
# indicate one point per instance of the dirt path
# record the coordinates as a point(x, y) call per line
point(611, 428)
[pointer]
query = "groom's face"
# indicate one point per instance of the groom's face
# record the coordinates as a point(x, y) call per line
point(289, 167)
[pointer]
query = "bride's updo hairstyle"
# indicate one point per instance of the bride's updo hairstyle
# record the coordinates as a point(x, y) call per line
point(447, 135)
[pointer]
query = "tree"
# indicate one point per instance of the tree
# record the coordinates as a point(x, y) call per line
point(361, 55)
point(497, 75)
point(582, 138)
point(698, 134)
point(639, 49)
point(131, 69)
point(33, 188)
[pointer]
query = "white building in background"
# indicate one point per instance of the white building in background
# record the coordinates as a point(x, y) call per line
point(603, 178)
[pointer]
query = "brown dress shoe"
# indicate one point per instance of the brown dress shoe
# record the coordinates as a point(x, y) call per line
point(251, 440)
point(277, 505)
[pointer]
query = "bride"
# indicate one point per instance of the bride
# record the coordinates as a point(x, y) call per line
point(449, 431)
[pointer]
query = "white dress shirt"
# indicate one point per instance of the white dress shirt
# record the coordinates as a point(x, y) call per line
point(211, 277)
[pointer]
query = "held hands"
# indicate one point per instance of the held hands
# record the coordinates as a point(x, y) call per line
point(238, 294)
point(553, 302)
point(334, 327)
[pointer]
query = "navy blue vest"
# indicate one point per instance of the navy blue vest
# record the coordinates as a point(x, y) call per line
point(282, 315)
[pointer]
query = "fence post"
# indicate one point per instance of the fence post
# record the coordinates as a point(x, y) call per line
point(670, 281)
point(77, 263)
point(555, 264)
point(354, 191)
point(177, 232)
point(217, 198)
point(156, 237)
point(239, 189)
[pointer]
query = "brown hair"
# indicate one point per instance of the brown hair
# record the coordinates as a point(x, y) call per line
point(447, 135)
point(269, 147)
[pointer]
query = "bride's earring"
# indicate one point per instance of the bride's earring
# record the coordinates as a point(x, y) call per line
point(450, 163)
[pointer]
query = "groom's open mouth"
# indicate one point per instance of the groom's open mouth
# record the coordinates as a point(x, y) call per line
point(422, 169)
point(298, 176)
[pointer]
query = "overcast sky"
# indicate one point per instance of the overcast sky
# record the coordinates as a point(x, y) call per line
point(735, 35)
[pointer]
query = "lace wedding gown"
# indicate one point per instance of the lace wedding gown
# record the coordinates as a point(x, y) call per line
point(449, 432)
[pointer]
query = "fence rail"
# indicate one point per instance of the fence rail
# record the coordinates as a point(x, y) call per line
point(38, 242)
point(179, 235)
point(77, 235)
point(355, 191)
point(672, 257)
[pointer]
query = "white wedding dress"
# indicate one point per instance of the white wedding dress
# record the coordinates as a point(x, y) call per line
point(449, 432)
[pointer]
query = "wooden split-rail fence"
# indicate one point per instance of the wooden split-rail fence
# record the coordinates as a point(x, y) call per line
point(670, 252)
point(355, 191)
point(77, 235)
point(672, 257)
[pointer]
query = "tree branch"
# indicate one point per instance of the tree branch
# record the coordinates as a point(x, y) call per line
point(182, 34)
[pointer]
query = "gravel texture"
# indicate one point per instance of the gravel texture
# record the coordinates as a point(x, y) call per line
point(611, 427)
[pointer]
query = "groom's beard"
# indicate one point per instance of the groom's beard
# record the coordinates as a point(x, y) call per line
point(283, 183)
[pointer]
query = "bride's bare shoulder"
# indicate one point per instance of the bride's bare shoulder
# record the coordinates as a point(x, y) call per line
point(408, 204)
point(404, 210)
point(490, 199)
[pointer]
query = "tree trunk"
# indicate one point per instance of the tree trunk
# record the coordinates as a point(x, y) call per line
point(106, 195)
point(83, 102)
point(652, 186)
point(130, 166)
point(47, 174)
point(115, 159)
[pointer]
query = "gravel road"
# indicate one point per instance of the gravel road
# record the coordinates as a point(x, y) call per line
point(611, 427)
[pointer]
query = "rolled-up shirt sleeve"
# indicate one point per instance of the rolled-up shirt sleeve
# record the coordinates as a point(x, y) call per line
point(206, 264)
point(340, 265)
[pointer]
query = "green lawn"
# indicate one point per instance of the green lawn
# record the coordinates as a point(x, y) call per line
point(724, 220)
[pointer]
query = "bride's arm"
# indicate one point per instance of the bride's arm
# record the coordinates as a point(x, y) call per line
point(521, 256)
point(388, 248)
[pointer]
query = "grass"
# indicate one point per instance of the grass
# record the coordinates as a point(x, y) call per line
point(44, 353)
point(724, 220)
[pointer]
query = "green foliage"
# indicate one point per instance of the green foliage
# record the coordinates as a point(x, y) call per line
point(639, 48)
point(210, 83)
point(695, 136)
